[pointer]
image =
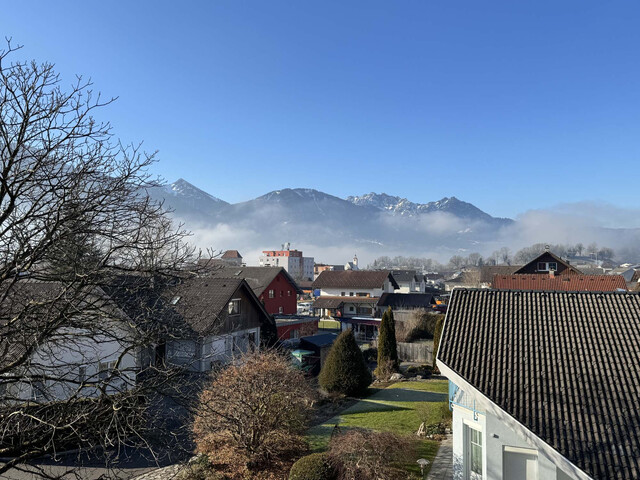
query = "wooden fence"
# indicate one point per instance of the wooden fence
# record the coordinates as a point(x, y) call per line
point(419, 352)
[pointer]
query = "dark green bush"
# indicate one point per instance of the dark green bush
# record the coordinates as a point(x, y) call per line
point(387, 346)
point(313, 467)
point(345, 370)
point(424, 370)
point(370, 354)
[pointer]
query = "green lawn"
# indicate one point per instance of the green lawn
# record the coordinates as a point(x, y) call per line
point(400, 408)
point(329, 324)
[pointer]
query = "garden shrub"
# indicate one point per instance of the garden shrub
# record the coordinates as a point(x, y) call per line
point(345, 370)
point(253, 414)
point(363, 454)
point(424, 370)
point(313, 467)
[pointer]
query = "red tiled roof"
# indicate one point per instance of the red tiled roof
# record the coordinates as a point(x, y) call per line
point(231, 254)
point(562, 283)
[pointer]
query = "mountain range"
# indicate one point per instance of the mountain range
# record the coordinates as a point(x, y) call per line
point(313, 218)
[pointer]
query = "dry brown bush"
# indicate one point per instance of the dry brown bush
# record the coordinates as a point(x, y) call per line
point(363, 455)
point(421, 324)
point(252, 416)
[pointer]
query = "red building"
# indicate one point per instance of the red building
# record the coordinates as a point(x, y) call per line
point(273, 286)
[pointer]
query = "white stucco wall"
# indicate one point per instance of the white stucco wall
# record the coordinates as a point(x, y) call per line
point(337, 292)
point(496, 434)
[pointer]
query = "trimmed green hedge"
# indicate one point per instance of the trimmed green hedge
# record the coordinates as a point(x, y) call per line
point(313, 467)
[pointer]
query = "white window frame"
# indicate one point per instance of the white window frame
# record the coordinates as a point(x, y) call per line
point(272, 294)
point(469, 443)
point(234, 307)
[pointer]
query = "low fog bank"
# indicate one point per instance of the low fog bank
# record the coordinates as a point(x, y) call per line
point(437, 236)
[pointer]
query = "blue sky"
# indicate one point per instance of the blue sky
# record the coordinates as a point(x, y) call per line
point(508, 105)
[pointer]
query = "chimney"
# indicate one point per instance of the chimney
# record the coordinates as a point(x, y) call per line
point(552, 273)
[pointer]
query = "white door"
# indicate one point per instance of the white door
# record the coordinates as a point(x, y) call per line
point(519, 464)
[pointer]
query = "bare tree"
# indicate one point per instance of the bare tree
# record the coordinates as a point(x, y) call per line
point(74, 222)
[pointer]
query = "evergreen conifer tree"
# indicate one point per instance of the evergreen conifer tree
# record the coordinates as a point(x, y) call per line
point(345, 370)
point(387, 347)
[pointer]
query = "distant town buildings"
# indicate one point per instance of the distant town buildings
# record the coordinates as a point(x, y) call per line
point(293, 261)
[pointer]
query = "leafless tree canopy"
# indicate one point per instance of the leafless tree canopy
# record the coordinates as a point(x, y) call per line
point(75, 222)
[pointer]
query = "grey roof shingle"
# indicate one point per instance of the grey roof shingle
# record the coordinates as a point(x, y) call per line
point(354, 279)
point(407, 300)
point(258, 278)
point(565, 365)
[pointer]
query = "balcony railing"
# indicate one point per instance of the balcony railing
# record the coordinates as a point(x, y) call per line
point(459, 397)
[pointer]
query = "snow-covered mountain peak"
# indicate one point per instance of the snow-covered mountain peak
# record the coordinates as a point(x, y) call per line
point(182, 188)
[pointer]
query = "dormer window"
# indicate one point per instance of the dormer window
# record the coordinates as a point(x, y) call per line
point(234, 307)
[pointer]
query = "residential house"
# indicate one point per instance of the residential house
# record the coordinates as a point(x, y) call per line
point(273, 286)
point(212, 320)
point(567, 283)
point(351, 296)
point(84, 348)
point(464, 279)
point(409, 281)
point(545, 386)
point(196, 321)
point(548, 262)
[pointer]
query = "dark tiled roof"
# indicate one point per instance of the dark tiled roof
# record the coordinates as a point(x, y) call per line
point(231, 254)
point(487, 272)
point(335, 302)
point(354, 279)
point(405, 276)
point(321, 340)
point(409, 300)
point(564, 365)
point(258, 278)
point(566, 283)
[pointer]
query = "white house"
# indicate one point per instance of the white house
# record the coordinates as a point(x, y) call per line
point(206, 321)
point(409, 281)
point(543, 385)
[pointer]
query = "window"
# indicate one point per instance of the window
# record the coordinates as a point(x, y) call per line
point(234, 307)
point(272, 294)
point(288, 293)
point(473, 453)
point(295, 334)
point(342, 294)
point(280, 310)
point(281, 294)
point(351, 294)
point(547, 266)
point(105, 369)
